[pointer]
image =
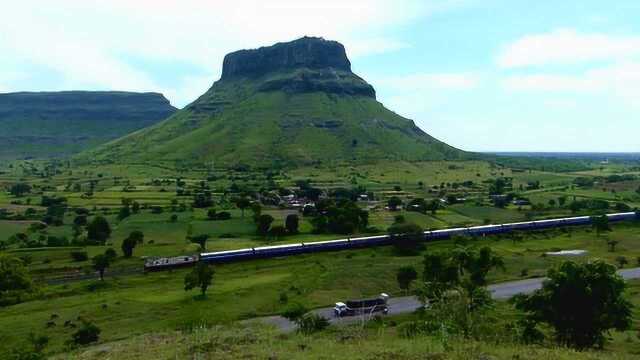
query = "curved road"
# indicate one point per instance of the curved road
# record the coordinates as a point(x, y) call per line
point(407, 304)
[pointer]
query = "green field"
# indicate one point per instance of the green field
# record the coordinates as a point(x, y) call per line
point(132, 309)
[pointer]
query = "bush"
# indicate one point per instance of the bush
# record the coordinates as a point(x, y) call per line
point(156, 210)
point(409, 330)
point(79, 256)
point(312, 323)
point(110, 253)
point(294, 311)
point(223, 215)
point(15, 282)
point(87, 334)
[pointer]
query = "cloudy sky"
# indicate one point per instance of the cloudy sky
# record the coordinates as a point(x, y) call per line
point(483, 75)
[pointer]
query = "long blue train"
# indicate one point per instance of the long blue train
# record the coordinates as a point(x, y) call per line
point(379, 240)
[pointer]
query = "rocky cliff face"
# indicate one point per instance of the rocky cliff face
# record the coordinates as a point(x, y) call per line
point(52, 124)
point(307, 52)
point(85, 105)
point(304, 65)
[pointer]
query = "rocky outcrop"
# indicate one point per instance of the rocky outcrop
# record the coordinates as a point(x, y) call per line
point(304, 65)
point(85, 105)
point(307, 52)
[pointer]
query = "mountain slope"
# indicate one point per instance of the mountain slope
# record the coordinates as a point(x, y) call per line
point(53, 124)
point(290, 103)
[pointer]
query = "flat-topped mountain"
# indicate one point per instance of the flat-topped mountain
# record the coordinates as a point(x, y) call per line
point(291, 103)
point(310, 53)
point(53, 124)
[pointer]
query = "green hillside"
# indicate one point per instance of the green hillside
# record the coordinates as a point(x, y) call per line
point(291, 103)
point(56, 124)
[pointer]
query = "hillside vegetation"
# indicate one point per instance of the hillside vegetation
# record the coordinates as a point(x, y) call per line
point(56, 124)
point(290, 104)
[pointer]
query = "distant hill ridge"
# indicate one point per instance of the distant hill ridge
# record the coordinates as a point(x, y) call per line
point(54, 124)
point(291, 103)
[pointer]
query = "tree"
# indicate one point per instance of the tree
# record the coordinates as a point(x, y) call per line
point(582, 302)
point(242, 203)
point(15, 281)
point(291, 223)
point(481, 263)
point(343, 217)
point(463, 266)
point(622, 261)
point(562, 200)
point(101, 263)
point(99, 230)
point(405, 276)
point(600, 224)
point(211, 214)
point(406, 238)
point(264, 223)
point(440, 274)
point(201, 276)
point(433, 206)
point(19, 189)
point(612, 243)
point(256, 208)
point(295, 313)
point(138, 236)
point(200, 240)
point(124, 212)
point(111, 254)
point(277, 231)
point(393, 203)
point(128, 245)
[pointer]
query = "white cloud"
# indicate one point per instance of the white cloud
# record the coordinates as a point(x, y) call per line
point(90, 43)
point(567, 46)
point(617, 80)
point(430, 81)
point(372, 46)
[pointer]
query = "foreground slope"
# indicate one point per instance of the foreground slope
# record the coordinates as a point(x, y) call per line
point(53, 124)
point(290, 103)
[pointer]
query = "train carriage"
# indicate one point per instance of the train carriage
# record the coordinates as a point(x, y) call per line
point(369, 241)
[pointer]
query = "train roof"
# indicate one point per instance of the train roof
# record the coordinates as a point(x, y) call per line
point(226, 252)
point(448, 230)
point(278, 246)
point(368, 237)
point(326, 242)
point(483, 227)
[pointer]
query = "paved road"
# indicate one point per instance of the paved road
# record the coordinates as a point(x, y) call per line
point(407, 304)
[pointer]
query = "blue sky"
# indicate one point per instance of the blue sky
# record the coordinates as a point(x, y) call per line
point(482, 75)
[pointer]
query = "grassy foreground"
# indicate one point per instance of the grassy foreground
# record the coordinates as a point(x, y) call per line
point(372, 342)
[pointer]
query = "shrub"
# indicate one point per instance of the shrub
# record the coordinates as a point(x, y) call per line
point(312, 323)
point(79, 256)
point(110, 253)
point(156, 210)
point(87, 334)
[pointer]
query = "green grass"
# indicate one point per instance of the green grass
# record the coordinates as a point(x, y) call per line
point(379, 342)
point(156, 302)
point(261, 128)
